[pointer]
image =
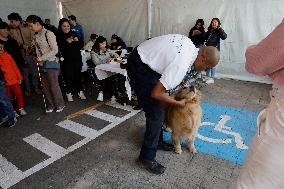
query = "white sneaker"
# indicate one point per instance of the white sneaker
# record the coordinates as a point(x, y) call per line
point(113, 100)
point(22, 112)
point(81, 95)
point(60, 109)
point(209, 81)
point(69, 97)
point(49, 110)
point(101, 96)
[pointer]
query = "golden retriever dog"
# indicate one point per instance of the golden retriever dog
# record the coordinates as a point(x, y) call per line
point(185, 121)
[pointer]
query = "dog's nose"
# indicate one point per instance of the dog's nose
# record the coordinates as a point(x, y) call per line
point(192, 88)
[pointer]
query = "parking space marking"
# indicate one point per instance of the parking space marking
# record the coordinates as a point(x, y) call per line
point(102, 115)
point(78, 129)
point(225, 132)
point(45, 145)
point(11, 175)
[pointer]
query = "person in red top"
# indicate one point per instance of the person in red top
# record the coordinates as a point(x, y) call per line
point(13, 78)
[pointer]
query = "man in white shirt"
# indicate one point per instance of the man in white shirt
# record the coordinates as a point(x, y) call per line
point(157, 65)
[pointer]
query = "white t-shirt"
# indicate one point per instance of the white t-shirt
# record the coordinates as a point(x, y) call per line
point(169, 55)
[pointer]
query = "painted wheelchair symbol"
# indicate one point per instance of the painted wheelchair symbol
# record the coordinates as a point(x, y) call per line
point(222, 128)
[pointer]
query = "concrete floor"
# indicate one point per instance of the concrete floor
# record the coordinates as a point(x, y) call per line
point(109, 161)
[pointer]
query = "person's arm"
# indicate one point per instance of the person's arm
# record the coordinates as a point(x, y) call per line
point(81, 33)
point(52, 46)
point(190, 34)
point(96, 59)
point(159, 93)
point(113, 54)
point(222, 33)
point(267, 56)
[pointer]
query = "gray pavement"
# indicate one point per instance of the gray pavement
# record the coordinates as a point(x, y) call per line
point(105, 155)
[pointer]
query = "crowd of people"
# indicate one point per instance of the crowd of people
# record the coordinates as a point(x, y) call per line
point(208, 36)
point(30, 56)
point(35, 57)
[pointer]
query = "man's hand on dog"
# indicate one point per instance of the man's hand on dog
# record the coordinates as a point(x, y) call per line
point(182, 102)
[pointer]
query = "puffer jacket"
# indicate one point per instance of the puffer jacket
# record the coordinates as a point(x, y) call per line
point(212, 37)
point(9, 68)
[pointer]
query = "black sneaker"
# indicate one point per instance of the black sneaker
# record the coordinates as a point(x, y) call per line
point(152, 166)
point(165, 146)
point(10, 122)
point(3, 120)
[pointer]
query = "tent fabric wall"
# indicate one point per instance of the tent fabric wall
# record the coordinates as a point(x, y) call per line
point(126, 18)
point(42, 8)
point(245, 22)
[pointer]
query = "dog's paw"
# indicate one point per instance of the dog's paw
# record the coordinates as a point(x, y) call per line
point(178, 151)
point(193, 150)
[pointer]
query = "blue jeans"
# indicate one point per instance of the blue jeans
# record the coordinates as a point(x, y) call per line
point(6, 108)
point(142, 80)
point(211, 72)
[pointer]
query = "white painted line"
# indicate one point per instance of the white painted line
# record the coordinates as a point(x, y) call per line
point(12, 177)
point(9, 173)
point(102, 115)
point(44, 145)
point(119, 106)
point(112, 125)
point(78, 129)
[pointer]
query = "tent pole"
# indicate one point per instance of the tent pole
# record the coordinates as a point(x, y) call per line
point(149, 2)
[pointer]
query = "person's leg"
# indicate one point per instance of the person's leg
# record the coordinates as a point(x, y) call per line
point(208, 72)
point(213, 72)
point(6, 106)
point(52, 75)
point(27, 81)
point(19, 96)
point(142, 80)
point(46, 85)
point(77, 78)
point(68, 78)
point(77, 82)
point(34, 76)
point(154, 114)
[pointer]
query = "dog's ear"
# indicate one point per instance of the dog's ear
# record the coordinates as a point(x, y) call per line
point(179, 95)
point(196, 98)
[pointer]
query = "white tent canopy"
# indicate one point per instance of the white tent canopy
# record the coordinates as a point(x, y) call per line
point(245, 22)
point(43, 8)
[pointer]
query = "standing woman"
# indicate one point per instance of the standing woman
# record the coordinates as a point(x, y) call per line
point(212, 37)
point(69, 46)
point(46, 49)
point(196, 33)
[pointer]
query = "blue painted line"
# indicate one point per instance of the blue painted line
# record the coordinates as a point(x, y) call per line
point(241, 121)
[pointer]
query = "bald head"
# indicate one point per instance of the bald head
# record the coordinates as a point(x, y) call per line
point(212, 55)
point(208, 57)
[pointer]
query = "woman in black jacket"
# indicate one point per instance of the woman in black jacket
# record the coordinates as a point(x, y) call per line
point(196, 34)
point(69, 47)
point(212, 37)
